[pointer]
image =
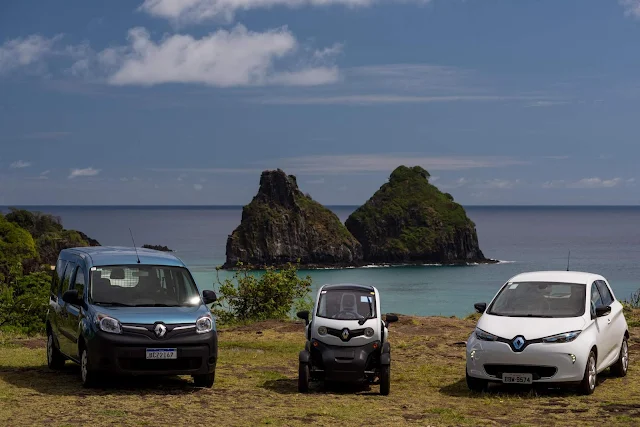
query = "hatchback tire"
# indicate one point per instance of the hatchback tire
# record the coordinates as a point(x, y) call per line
point(588, 384)
point(89, 376)
point(385, 379)
point(303, 377)
point(55, 359)
point(619, 369)
point(204, 380)
point(476, 384)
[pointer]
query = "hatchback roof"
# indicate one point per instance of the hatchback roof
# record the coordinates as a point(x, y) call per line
point(348, 286)
point(557, 276)
point(119, 255)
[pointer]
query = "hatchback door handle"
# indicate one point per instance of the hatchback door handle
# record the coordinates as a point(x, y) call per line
point(608, 320)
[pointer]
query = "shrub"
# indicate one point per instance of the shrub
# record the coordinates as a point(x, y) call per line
point(633, 301)
point(252, 296)
point(24, 303)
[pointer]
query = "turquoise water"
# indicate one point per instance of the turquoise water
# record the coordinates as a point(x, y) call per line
point(603, 240)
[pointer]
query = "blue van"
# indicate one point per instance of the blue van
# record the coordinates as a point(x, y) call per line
point(128, 311)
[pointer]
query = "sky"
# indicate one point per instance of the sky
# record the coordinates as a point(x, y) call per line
point(186, 102)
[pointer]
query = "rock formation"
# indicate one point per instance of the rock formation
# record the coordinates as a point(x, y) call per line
point(283, 225)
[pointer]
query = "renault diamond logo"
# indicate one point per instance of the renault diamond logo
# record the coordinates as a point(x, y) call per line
point(160, 330)
point(345, 334)
point(518, 343)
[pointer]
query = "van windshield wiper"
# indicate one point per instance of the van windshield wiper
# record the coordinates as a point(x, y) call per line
point(112, 304)
point(157, 305)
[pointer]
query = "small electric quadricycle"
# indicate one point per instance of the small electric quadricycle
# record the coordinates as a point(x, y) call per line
point(347, 340)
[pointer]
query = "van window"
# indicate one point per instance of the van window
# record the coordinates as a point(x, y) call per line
point(78, 283)
point(56, 280)
point(66, 280)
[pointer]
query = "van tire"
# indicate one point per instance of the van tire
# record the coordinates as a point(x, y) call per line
point(89, 376)
point(303, 377)
point(385, 379)
point(204, 380)
point(55, 359)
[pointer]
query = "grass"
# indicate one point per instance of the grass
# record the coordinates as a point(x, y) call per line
point(256, 384)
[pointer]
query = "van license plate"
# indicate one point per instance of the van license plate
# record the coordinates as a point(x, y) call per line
point(517, 378)
point(162, 353)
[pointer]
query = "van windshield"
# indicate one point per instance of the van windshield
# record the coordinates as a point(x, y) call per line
point(347, 304)
point(143, 286)
point(540, 299)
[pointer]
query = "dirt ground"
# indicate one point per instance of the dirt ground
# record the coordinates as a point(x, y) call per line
point(256, 384)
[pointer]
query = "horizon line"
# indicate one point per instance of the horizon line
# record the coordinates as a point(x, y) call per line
point(8, 206)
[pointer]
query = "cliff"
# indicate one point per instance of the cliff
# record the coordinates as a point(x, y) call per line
point(283, 225)
point(408, 220)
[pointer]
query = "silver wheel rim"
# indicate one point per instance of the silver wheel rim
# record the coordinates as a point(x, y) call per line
point(592, 373)
point(625, 356)
point(83, 366)
point(50, 349)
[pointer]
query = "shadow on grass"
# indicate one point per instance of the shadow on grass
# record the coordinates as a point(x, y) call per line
point(66, 382)
point(290, 386)
point(460, 389)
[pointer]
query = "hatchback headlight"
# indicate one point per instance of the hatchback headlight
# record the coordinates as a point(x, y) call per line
point(484, 335)
point(563, 337)
point(109, 324)
point(368, 332)
point(204, 325)
point(322, 330)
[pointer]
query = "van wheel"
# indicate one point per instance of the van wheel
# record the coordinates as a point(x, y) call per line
point(385, 379)
point(55, 359)
point(88, 375)
point(588, 384)
point(619, 369)
point(303, 377)
point(476, 384)
point(204, 380)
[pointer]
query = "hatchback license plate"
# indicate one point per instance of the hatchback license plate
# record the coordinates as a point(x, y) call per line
point(162, 353)
point(517, 378)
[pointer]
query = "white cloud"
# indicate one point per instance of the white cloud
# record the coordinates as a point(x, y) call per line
point(44, 173)
point(21, 52)
point(124, 179)
point(631, 7)
point(83, 172)
point(315, 181)
point(501, 184)
point(225, 58)
point(375, 99)
point(183, 12)
point(588, 183)
point(547, 103)
point(328, 52)
point(197, 187)
point(20, 164)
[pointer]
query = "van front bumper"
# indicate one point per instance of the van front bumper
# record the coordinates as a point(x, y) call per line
point(344, 364)
point(126, 354)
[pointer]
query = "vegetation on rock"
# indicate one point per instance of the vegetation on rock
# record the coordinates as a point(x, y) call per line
point(157, 248)
point(283, 225)
point(408, 220)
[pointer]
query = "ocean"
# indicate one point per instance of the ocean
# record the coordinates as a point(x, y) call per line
point(604, 240)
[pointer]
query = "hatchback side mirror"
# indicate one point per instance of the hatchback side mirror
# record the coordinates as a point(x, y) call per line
point(480, 307)
point(603, 311)
point(71, 297)
point(209, 297)
point(304, 315)
point(390, 318)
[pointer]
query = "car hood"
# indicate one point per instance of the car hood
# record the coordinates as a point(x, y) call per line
point(151, 315)
point(529, 327)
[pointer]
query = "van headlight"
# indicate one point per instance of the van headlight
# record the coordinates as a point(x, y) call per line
point(563, 337)
point(109, 324)
point(368, 332)
point(204, 325)
point(484, 335)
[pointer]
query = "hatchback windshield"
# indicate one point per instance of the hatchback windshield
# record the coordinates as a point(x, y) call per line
point(143, 286)
point(540, 299)
point(347, 304)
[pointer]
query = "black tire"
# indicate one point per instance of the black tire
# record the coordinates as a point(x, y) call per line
point(619, 369)
point(477, 385)
point(55, 359)
point(385, 379)
point(89, 377)
point(303, 377)
point(204, 380)
point(590, 377)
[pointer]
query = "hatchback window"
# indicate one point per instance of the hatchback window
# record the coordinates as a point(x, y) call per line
point(539, 299)
point(143, 286)
point(605, 294)
point(347, 304)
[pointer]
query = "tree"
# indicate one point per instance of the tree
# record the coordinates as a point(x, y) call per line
point(24, 303)
point(16, 247)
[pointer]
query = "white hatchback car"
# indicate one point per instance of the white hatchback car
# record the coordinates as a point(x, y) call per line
point(549, 327)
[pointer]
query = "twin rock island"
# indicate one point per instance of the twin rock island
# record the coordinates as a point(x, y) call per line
point(407, 221)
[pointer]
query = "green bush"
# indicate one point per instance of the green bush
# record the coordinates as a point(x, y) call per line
point(633, 301)
point(24, 303)
point(16, 247)
point(271, 294)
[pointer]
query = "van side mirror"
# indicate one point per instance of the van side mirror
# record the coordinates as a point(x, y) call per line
point(390, 318)
point(209, 297)
point(480, 307)
point(603, 311)
point(71, 297)
point(304, 315)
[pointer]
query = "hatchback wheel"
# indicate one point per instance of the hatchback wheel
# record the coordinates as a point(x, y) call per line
point(619, 368)
point(588, 384)
point(303, 377)
point(476, 384)
point(385, 379)
point(55, 359)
